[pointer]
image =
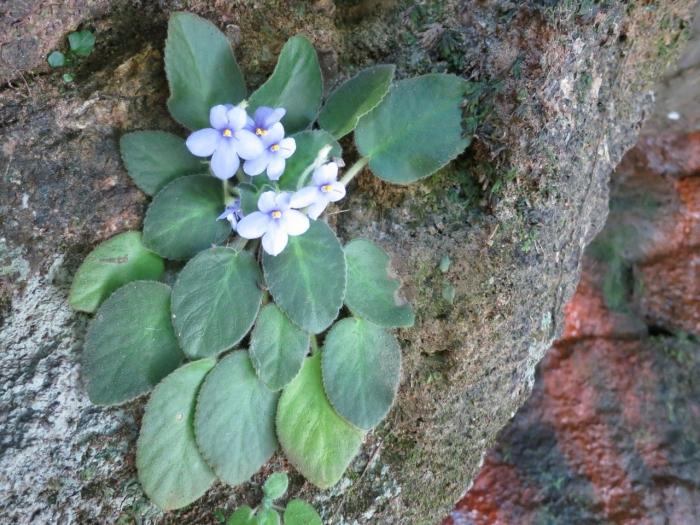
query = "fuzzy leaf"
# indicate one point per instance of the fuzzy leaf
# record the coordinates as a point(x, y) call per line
point(268, 517)
point(277, 347)
point(355, 98)
point(182, 219)
point(243, 516)
point(296, 85)
point(371, 293)
point(299, 512)
point(361, 371)
point(235, 420)
point(201, 69)
point(154, 158)
point(113, 263)
point(276, 485)
point(170, 469)
point(215, 301)
point(56, 59)
point(307, 280)
point(81, 42)
point(316, 440)
point(416, 129)
point(130, 344)
point(309, 143)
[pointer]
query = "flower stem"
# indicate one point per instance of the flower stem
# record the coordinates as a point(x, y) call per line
point(354, 170)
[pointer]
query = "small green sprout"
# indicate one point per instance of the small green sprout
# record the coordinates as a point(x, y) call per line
point(81, 44)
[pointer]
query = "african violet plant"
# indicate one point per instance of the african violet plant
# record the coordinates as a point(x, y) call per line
point(222, 401)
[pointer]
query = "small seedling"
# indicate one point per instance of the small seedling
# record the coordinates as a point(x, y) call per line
point(80, 44)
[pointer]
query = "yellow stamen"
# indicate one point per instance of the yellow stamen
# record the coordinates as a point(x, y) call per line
point(275, 147)
point(326, 188)
point(227, 133)
point(276, 214)
point(260, 132)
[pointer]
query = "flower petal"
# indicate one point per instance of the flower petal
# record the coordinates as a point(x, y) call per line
point(326, 173)
point(249, 124)
point(274, 134)
point(282, 200)
point(275, 116)
point(266, 201)
point(275, 240)
point(316, 209)
point(260, 116)
point(237, 118)
point(217, 117)
point(295, 222)
point(224, 163)
point(275, 168)
point(337, 192)
point(305, 197)
point(248, 144)
point(287, 147)
point(257, 165)
point(203, 143)
point(253, 225)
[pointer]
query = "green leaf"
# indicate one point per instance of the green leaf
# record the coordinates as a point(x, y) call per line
point(182, 219)
point(215, 301)
point(372, 294)
point(155, 158)
point(68, 77)
point(277, 347)
point(295, 85)
point(276, 485)
point(316, 440)
point(130, 344)
point(299, 512)
point(243, 516)
point(307, 280)
point(309, 143)
point(235, 423)
point(115, 262)
point(361, 371)
point(56, 59)
point(81, 42)
point(416, 129)
point(201, 69)
point(170, 469)
point(355, 98)
point(268, 517)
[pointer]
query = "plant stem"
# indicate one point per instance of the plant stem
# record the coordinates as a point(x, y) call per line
point(314, 345)
point(354, 170)
point(226, 193)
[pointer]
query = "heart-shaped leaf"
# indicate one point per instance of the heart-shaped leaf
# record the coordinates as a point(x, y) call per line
point(307, 280)
point(309, 144)
point(371, 293)
point(115, 262)
point(182, 219)
point(277, 347)
point(235, 420)
point(81, 42)
point(316, 440)
point(130, 344)
point(354, 98)
point(215, 301)
point(299, 512)
point(201, 69)
point(416, 129)
point(361, 371)
point(154, 158)
point(170, 468)
point(295, 85)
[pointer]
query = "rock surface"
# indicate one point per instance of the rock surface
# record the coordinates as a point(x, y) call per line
point(565, 87)
point(610, 434)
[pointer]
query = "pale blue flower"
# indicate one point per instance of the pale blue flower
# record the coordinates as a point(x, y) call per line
point(324, 189)
point(233, 213)
point(226, 141)
point(264, 119)
point(275, 221)
point(276, 149)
